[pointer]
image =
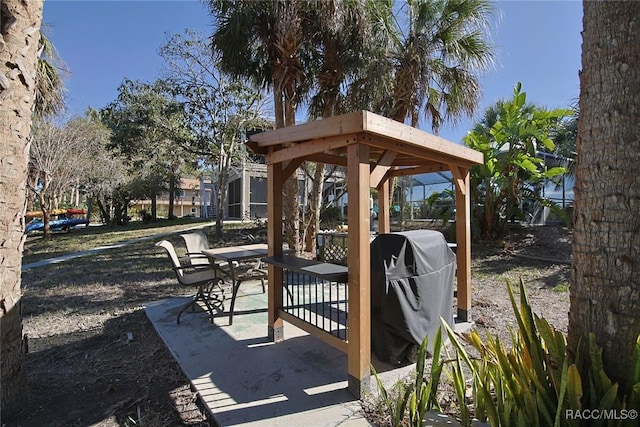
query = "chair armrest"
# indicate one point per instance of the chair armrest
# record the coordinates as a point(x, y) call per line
point(196, 255)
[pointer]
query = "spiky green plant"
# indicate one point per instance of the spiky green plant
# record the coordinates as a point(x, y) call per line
point(419, 396)
point(536, 383)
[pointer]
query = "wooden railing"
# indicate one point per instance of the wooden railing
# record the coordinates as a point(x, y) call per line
point(315, 297)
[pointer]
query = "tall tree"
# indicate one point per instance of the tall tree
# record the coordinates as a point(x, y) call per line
point(220, 109)
point(605, 288)
point(105, 177)
point(339, 30)
point(430, 54)
point(57, 158)
point(19, 30)
point(264, 41)
point(151, 130)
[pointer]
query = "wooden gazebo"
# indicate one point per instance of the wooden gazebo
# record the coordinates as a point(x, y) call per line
point(374, 149)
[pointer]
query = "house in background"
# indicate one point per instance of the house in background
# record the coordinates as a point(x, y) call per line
point(187, 202)
point(246, 197)
point(247, 192)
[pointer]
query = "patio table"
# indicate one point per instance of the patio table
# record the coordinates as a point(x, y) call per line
point(238, 273)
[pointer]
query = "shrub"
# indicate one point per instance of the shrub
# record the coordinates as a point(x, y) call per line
point(536, 383)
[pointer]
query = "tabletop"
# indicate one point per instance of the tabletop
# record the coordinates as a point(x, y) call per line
point(237, 253)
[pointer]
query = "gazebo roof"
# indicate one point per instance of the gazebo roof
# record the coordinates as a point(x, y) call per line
point(391, 144)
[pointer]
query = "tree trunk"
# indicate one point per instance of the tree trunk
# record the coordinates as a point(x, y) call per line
point(605, 288)
point(222, 191)
point(20, 31)
point(315, 206)
point(154, 207)
point(172, 192)
point(45, 208)
point(104, 212)
point(290, 193)
point(319, 174)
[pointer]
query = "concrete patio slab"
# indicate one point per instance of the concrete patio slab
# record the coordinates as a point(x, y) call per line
point(244, 379)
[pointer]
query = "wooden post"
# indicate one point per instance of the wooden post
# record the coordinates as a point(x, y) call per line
point(384, 225)
point(275, 326)
point(463, 241)
point(358, 260)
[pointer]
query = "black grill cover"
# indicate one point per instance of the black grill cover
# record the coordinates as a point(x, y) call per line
point(412, 279)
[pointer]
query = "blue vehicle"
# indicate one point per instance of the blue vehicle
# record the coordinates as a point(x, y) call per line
point(56, 224)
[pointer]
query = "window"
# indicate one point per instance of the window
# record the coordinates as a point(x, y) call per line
point(258, 199)
point(235, 199)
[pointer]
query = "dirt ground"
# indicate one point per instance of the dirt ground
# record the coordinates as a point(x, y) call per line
point(95, 359)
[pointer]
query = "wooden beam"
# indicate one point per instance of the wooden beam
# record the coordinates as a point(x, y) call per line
point(315, 331)
point(394, 131)
point(332, 126)
point(463, 241)
point(384, 225)
point(275, 325)
point(412, 161)
point(256, 148)
point(458, 177)
point(358, 260)
point(289, 168)
point(327, 158)
point(307, 148)
point(381, 128)
point(384, 163)
point(417, 151)
point(436, 167)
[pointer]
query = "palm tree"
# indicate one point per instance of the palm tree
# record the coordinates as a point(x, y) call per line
point(19, 29)
point(49, 102)
point(425, 59)
point(339, 31)
point(263, 41)
point(429, 57)
point(50, 71)
point(605, 285)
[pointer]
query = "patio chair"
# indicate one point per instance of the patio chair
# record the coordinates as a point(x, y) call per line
point(196, 242)
point(210, 291)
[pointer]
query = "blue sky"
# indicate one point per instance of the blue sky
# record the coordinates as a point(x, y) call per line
point(102, 42)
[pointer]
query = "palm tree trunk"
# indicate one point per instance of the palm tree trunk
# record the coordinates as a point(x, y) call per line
point(316, 206)
point(20, 31)
point(605, 288)
point(290, 187)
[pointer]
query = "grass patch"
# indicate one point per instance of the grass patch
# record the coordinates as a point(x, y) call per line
point(37, 248)
point(561, 287)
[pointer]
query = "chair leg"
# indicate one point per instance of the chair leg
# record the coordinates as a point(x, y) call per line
point(234, 295)
point(205, 297)
point(215, 292)
point(190, 304)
